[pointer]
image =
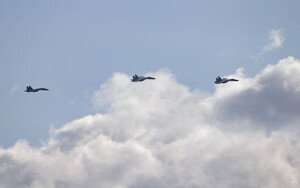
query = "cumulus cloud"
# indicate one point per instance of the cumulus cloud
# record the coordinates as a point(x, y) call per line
point(161, 134)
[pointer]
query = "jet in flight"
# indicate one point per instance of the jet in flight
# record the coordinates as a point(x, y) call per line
point(30, 89)
point(137, 78)
point(220, 80)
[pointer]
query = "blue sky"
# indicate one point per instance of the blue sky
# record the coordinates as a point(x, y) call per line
point(96, 128)
point(72, 47)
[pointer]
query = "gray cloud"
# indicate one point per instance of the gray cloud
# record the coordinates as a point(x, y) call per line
point(270, 100)
point(161, 134)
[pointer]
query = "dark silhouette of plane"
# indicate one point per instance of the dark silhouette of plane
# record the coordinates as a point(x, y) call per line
point(137, 78)
point(29, 89)
point(220, 80)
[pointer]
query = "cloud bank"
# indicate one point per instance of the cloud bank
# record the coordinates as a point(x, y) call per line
point(161, 134)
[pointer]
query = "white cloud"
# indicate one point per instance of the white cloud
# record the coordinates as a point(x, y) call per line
point(276, 39)
point(160, 134)
point(13, 90)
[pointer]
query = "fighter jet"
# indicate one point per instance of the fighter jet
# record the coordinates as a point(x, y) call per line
point(29, 89)
point(220, 80)
point(137, 78)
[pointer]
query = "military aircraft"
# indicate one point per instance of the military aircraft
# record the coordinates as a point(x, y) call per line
point(137, 78)
point(220, 80)
point(30, 89)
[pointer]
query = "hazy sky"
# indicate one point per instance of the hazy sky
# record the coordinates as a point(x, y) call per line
point(86, 51)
